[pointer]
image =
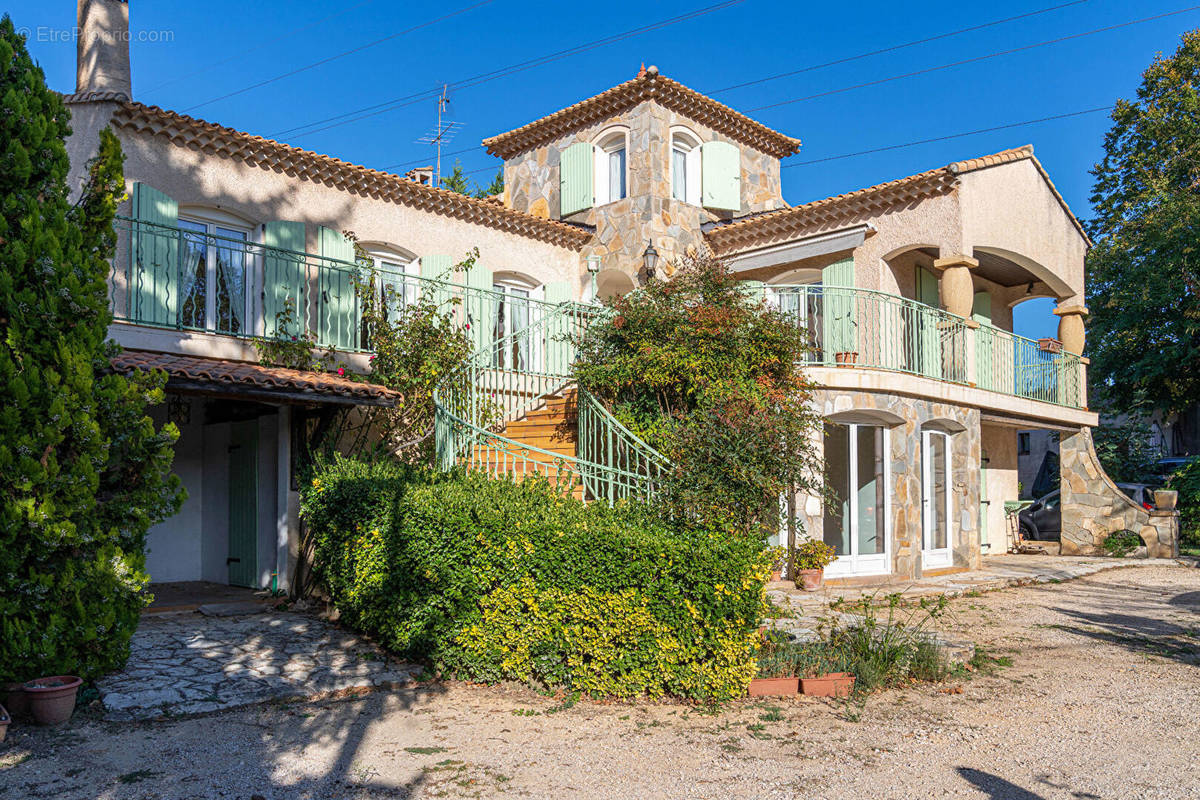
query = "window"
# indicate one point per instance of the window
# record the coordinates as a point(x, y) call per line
point(1023, 443)
point(685, 167)
point(855, 523)
point(212, 276)
point(611, 167)
point(509, 329)
point(392, 281)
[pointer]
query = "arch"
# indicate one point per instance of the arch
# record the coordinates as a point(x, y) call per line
point(613, 283)
point(387, 251)
point(1044, 274)
point(867, 416)
point(902, 249)
point(945, 425)
point(803, 275)
point(218, 215)
point(510, 277)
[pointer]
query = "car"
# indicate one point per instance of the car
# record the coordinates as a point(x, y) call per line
point(1042, 521)
point(1165, 467)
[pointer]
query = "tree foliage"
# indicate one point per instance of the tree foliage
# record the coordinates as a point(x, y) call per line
point(457, 181)
point(1126, 449)
point(1144, 271)
point(83, 471)
point(709, 376)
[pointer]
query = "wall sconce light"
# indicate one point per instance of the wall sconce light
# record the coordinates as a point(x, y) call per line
point(650, 260)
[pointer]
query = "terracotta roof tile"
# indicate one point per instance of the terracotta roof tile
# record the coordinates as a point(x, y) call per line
point(775, 226)
point(269, 154)
point(222, 373)
point(648, 85)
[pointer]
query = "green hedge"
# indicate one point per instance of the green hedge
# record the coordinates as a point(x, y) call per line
point(492, 580)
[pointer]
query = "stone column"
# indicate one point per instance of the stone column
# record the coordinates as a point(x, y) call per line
point(957, 289)
point(1071, 328)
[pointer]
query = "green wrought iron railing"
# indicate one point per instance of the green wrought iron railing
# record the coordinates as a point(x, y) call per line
point(866, 328)
point(475, 401)
point(179, 279)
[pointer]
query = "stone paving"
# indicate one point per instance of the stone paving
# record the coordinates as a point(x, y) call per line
point(190, 663)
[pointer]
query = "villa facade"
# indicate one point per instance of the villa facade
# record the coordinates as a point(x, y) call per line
point(906, 288)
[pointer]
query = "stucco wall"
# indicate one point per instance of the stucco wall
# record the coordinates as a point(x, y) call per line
point(999, 445)
point(1009, 210)
point(174, 547)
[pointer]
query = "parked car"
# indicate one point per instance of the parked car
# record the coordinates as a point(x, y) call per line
point(1165, 467)
point(1042, 521)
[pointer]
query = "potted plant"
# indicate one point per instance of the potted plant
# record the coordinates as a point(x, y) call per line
point(829, 684)
point(846, 359)
point(1165, 499)
point(776, 671)
point(810, 559)
point(15, 700)
point(52, 699)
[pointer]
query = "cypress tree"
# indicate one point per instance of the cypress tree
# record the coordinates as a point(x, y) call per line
point(83, 470)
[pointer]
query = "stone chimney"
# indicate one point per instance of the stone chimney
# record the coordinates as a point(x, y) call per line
point(102, 48)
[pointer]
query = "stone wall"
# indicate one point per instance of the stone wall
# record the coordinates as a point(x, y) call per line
point(1093, 507)
point(648, 212)
point(905, 418)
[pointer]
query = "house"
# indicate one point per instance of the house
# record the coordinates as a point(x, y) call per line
point(906, 288)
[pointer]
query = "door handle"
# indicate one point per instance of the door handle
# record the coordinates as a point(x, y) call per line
point(229, 561)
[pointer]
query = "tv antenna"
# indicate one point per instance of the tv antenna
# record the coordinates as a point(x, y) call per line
point(442, 134)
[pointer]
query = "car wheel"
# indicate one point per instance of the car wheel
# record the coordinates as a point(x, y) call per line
point(1027, 532)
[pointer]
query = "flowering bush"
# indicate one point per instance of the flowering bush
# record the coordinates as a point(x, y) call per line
point(490, 580)
point(813, 554)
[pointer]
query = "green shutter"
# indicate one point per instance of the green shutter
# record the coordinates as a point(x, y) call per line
point(154, 276)
point(338, 313)
point(440, 268)
point(929, 343)
point(576, 174)
point(721, 176)
point(841, 310)
point(559, 354)
point(755, 290)
point(480, 306)
point(981, 312)
point(284, 279)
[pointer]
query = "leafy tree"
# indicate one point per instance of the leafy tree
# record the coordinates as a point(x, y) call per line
point(494, 188)
point(1125, 449)
point(709, 376)
point(1144, 272)
point(457, 181)
point(83, 471)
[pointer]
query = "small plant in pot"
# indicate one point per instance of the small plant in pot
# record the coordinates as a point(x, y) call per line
point(809, 560)
point(52, 699)
point(776, 670)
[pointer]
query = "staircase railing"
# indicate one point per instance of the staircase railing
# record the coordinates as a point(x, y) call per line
point(505, 379)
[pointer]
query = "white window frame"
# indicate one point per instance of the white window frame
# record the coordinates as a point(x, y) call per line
point(386, 258)
point(939, 557)
point(513, 287)
point(688, 143)
point(608, 142)
point(870, 563)
point(212, 219)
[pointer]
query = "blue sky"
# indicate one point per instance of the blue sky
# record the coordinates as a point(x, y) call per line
point(185, 54)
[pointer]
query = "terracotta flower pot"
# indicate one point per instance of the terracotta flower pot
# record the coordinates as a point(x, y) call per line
point(5, 719)
point(777, 574)
point(774, 687)
point(52, 699)
point(810, 580)
point(1165, 499)
point(15, 700)
point(847, 359)
point(831, 684)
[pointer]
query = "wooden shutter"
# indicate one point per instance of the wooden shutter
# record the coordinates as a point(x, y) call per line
point(284, 279)
point(338, 315)
point(576, 174)
point(479, 306)
point(755, 290)
point(154, 273)
point(437, 267)
point(721, 176)
point(841, 310)
point(929, 343)
point(559, 354)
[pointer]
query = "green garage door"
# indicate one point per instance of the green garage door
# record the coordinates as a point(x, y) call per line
point(243, 504)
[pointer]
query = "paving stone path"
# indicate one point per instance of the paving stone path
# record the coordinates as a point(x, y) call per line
point(189, 663)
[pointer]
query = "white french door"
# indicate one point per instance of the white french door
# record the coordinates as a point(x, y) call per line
point(936, 522)
point(857, 522)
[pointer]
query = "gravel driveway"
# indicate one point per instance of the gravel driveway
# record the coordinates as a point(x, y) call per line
point(1102, 700)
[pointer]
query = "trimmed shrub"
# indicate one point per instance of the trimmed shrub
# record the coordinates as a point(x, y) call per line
point(496, 580)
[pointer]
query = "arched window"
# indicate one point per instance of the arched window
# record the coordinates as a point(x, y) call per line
point(611, 166)
point(395, 269)
point(685, 166)
point(214, 266)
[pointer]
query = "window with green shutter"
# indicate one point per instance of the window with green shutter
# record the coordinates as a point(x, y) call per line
point(154, 269)
point(841, 309)
point(576, 172)
point(338, 316)
point(721, 176)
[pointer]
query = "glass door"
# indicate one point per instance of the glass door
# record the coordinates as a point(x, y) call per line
point(512, 317)
point(936, 521)
point(855, 523)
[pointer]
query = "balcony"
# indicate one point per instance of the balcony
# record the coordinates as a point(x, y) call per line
point(866, 329)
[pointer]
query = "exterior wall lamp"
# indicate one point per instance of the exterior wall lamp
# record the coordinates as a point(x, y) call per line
point(593, 266)
point(650, 260)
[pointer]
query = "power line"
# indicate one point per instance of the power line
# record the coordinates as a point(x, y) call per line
point(949, 136)
point(974, 59)
point(896, 47)
point(366, 112)
point(343, 54)
point(246, 51)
